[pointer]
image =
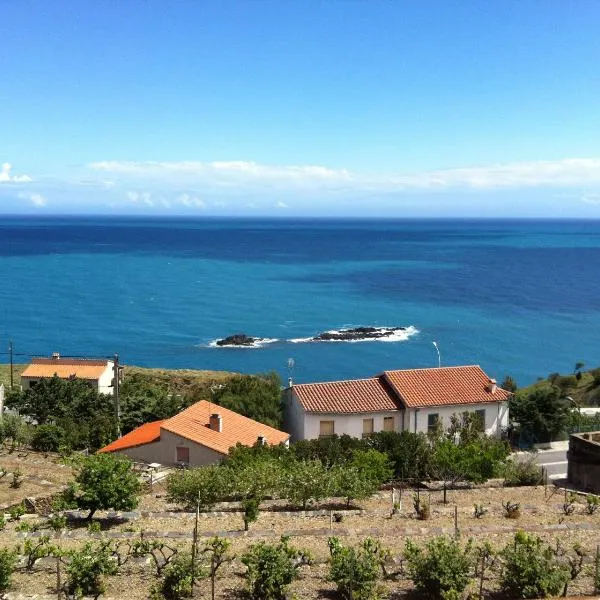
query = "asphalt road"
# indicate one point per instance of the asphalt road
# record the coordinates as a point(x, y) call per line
point(555, 462)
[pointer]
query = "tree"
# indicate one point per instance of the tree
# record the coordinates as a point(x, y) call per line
point(374, 465)
point(348, 482)
point(202, 486)
point(441, 569)
point(270, 569)
point(530, 568)
point(331, 450)
point(47, 438)
point(509, 384)
point(356, 571)
point(216, 550)
point(257, 397)
point(103, 482)
point(305, 480)
point(177, 579)
point(542, 413)
point(408, 452)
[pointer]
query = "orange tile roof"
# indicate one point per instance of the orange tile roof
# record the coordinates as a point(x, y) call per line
point(444, 386)
point(352, 396)
point(144, 434)
point(64, 368)
point(193, 422)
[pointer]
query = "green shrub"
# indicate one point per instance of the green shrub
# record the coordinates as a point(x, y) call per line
point(8, 562)
point(440, 570)
point(270, 569)
point(57, 522)
point(177, 579)
point(36, 549)
point(251, 508)
point(203, 485)
point(356, 571)
point(86, 569)
point(16, 512)
point(348, 482)
point(17, 479)
point(522, 470)
point(593, 503)
point(530, 568)
point(47, 438)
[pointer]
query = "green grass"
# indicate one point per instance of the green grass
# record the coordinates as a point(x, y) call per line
point(5, 374)
point(584, 393)
point(180, 380)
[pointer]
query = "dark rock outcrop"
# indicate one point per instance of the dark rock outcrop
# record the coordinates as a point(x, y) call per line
point(238, 339)
point(357, 333)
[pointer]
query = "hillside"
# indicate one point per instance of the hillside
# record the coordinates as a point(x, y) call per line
point(585, 391)
point(179, 381)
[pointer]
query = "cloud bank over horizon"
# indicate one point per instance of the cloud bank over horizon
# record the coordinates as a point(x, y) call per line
point(248, 187)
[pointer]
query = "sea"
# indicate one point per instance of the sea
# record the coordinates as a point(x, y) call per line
point(518, 297)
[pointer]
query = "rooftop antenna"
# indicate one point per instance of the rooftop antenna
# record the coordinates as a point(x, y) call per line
point(290, 363)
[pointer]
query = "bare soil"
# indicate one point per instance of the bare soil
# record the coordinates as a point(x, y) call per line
point(541, 512)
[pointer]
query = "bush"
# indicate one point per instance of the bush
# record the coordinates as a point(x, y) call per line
point(356, 571)
point(441, 569)
point(348, 482)
point(8, 562)
point(47, 438)
point(521, 470)
point(530, 568)
point(206, 485)
point(86, 569)
point(271, 568)
point(177, 580)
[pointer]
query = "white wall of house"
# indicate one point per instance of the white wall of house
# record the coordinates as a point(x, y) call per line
point(496, 416)
point(164, 451)
point(306, 426)
point(351, 424)
point(102, 385)
point(105, 381)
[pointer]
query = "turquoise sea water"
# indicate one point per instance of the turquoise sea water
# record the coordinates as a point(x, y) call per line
point(518, 297)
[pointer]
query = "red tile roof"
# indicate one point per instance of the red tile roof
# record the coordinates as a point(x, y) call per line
point(394, 390)
point(193, 424)
point(144, 434)
point(444, 386)
point(352, 396)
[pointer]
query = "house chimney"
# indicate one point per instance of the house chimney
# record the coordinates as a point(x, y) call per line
point(492, 386)
point(262, 440)
point(55, 356)
point(216, 422)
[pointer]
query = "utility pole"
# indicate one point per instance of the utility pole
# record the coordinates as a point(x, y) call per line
point(116, 393)
point(10, 352)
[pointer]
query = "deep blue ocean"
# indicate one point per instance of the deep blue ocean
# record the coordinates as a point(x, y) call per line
point(516, 297)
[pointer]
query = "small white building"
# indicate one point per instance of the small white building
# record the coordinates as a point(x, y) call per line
point(405, 400)
point(99, 373)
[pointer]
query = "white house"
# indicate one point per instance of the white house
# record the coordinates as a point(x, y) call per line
point(405, 400)
point(200, 435)
point(99, 373)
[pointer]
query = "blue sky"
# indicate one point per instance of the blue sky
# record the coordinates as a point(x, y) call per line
point(300, 108)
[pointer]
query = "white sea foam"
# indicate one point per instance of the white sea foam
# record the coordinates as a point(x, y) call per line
point(397, 334)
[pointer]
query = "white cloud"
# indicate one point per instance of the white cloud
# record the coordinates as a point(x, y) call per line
point(189, 200)
point(6, 177)
point(243, 174)
point(590, 198)
point(281, 204)
point(35, 198)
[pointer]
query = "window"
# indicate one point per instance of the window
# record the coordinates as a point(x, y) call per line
point(367, 427)
point(326, 428)
point(182, 455)
point(480, 414)
point(432, 422)
point(388, 423)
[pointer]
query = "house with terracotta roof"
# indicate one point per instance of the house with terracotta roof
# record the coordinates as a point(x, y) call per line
point(200, 435)
point(404, 400)
point(99, 373)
